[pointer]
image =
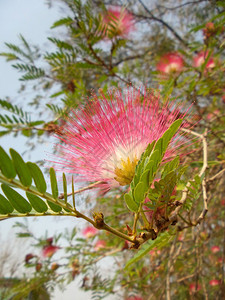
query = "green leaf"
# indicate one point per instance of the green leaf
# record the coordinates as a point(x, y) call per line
point(174, 127)
point(21, 168)
point(131, 204)
point(162, 240)
point(54, 185)
point(4, 132)
point(171, 165)
point(159, 146)
point(6, 165)
point(65, 187)
point(38, 177)
point(139, 192)
point(64, 21)
point(18, 202)
point(5, 206)
point(26, 132)
point(54, 207)
point(37, 203)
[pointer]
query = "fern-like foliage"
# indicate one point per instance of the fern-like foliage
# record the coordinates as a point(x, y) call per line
point(17, 174)
point(26, 55)
point(17, 120)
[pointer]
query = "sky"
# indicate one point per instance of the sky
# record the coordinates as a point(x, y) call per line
point(33, 20)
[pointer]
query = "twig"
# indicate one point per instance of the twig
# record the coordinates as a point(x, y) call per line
point(168, 297)
point(163, 23)
point(216, 175)
point(89, 187)
point(185, 191)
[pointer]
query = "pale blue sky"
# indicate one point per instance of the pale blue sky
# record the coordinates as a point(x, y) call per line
point(32, 19)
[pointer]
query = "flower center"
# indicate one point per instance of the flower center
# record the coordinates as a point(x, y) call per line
point(125, 173)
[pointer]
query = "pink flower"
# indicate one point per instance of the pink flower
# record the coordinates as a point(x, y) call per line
point(209, 30)
point(104, 141)
point(193, 288)
point(134, 298)
point(200, 58)
point(118, 22)
point(100, 244)
point(170, 63)
point(28, 257)
point(89, 231)
point(214, 282)
point(220, 260)
point(49, 250)
point(215, 249)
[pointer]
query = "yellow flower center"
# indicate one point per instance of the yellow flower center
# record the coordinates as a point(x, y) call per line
point(125, 173)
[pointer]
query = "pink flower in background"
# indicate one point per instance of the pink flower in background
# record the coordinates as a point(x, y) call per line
point(89, 231)
point(200, 58)
point(220, 260)
point(214, 282)
point(193, 288)
point(134, 298)
point(118, 21)
point(209, 30)
point(100, 244)
point(170, 63)
point(49, 250)
point(104, 140)
point(215, 249)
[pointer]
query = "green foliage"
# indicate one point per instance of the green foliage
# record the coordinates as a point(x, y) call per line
point(26, 172)
point(163, 240)
point(147, 168)
point(17, 201)
point(17, 120)
point(80, 62)
point(31, 72)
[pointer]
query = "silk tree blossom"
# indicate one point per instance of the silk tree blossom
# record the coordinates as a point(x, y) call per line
point(200, 58)
point(117, 21)
point(49, 250)
point(215, 282)
point(215, 249)
point(100, 244)
point(134, 298)
point(104, 140)
point(170, 63)
point(89, 232)
point(193, 288)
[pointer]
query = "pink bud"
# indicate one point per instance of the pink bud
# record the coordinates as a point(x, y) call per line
point(100, 244)
point(194, 288)
point(214, 282)
point(170, 63)
point(200, 58)
point(28, 257)
point(223, 201)
point(118, 22)
point(215, 249)
point(89, 231)
point(48, 251)
point(38, 267)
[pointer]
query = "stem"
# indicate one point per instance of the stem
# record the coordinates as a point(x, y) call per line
point(74, 212)
point(136, 216)
point(89, 187)
point(118, 233)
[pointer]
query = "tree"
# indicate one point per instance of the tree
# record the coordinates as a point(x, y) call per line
point(154, 152)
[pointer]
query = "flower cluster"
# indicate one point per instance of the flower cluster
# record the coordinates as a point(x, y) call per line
point(118, 21)
point(104, 140)
point(173, 63)
point(170, 63)
point(49, 249)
